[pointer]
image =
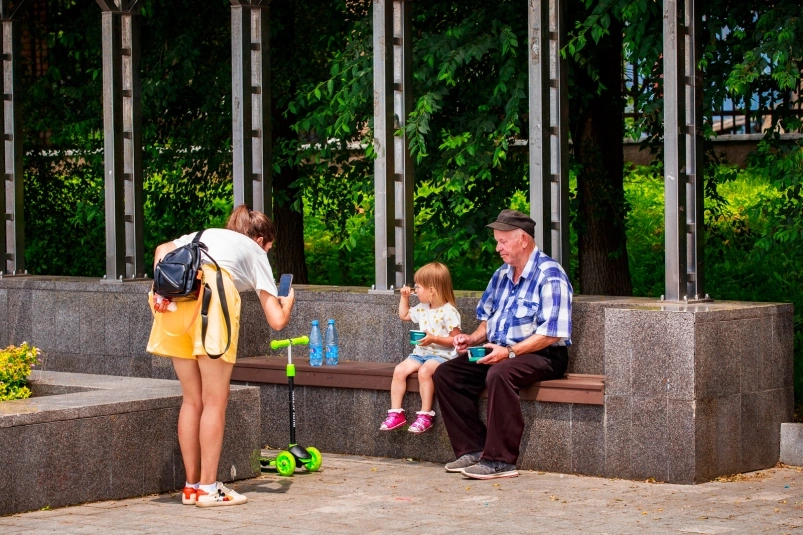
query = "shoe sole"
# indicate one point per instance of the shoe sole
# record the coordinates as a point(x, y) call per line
point(221, 504)
point(456, 470)
point(498, 475)
point(185, 501)
point(416, 432)
point(394, 428)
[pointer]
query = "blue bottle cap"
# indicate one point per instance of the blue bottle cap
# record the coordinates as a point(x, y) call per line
point(315, 322)
point(331, 322)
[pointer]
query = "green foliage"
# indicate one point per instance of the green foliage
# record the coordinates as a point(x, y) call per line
point(15, 367)
point(470, 87)
point(186, 83)
point(737, 267)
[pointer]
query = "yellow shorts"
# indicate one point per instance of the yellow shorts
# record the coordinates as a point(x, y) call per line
point(178, 333)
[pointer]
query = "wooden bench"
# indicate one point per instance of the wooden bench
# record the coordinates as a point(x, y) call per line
point(573, 388)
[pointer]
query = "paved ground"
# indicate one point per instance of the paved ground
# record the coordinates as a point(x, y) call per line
point(372, 495)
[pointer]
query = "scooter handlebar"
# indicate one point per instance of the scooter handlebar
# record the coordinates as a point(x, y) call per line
point(300, 341)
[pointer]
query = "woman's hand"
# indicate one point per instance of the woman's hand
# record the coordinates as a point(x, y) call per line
point(277, 309)
point(161, 304)
point(287, 301)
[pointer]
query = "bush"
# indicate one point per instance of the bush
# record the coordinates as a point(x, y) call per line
point(15, 367)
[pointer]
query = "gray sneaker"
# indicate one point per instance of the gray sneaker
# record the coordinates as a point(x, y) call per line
point(469, 459)
point(490, 470)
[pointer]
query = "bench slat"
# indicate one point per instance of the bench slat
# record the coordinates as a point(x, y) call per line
point(573, 388)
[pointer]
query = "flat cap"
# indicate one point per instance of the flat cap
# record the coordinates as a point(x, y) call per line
point(512, 220)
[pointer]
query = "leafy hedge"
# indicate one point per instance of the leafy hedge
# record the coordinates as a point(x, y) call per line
point(15, 367)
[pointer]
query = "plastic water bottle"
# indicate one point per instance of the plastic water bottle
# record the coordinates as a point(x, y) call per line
point(331, 344)
point(315, 345)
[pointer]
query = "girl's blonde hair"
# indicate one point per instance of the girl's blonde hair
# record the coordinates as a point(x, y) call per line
point(436, 275)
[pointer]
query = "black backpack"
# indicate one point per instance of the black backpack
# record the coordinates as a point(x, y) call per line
point(179, 276)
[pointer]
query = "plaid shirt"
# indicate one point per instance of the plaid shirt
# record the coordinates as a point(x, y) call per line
point(540, 303)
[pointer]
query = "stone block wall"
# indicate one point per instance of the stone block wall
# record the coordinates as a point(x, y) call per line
point(692, 391)
point(98, 437)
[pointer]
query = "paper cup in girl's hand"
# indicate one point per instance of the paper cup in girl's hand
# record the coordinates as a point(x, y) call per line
point(476, 353)
point(415, 336)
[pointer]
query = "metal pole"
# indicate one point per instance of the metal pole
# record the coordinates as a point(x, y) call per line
point(251, 104)
point(695, 221)
point(132, 147)
point(404, 176)
point(559, 94)
point(122, 140)
point(674, 152)
point(539, 139)
point(12, 231)
point(384, 165)
point(113, 145)
point(683, 158)
point(548, 136)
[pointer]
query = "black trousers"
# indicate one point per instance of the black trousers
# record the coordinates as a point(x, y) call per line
point(458, 384)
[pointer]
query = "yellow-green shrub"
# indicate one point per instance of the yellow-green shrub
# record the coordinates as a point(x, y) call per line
point(15, 367)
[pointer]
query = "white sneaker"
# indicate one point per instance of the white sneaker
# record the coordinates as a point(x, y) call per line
point(222, 496)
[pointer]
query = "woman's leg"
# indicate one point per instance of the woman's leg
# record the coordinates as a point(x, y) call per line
point(189, 417)
point(215, 379)
point(426, 387)
point(399, 384)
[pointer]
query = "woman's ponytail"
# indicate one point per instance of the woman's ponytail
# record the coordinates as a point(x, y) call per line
point(251, 223)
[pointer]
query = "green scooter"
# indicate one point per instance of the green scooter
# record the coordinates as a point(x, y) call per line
point(286, 461)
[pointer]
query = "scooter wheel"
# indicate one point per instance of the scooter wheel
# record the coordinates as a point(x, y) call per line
point(285, 463)
point(315, 460)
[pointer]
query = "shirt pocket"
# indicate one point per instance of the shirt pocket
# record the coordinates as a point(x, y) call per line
point(526, 309)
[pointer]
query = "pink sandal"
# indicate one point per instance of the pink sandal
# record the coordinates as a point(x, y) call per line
point(394, 420)
point(422, 423)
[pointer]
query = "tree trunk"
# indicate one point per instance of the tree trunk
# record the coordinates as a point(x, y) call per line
point(597, 137)
point(289, 245)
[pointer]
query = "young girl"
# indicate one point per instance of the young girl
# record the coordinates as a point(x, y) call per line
point(437, 316)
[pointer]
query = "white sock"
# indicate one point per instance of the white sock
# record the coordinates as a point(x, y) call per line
point(431, 413)
point(209, 489)
point(193, 485)
point(396, 410)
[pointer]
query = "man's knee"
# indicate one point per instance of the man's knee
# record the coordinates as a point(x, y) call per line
point(497, 375)
point(441, 375)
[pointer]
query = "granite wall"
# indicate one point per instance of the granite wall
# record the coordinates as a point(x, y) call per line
point(97, 437)
point(692, 391)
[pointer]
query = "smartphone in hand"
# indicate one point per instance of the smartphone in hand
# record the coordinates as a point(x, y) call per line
point(284, 284)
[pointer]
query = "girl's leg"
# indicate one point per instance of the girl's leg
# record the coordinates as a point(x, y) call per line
point(426, 387)
point(215, 379)
point(399, 384)
point(189, 417)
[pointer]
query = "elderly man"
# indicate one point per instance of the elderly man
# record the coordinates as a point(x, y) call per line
point(525, 318)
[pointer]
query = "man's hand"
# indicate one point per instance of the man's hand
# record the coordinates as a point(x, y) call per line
point(497, 354)
point(461, 342)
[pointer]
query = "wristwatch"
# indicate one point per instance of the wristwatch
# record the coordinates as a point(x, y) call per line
point(510, 353)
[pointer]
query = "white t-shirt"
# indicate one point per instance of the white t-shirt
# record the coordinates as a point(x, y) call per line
point(439, 321)
point(238, 254)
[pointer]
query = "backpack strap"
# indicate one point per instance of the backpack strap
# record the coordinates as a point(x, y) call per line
point(207, 298)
